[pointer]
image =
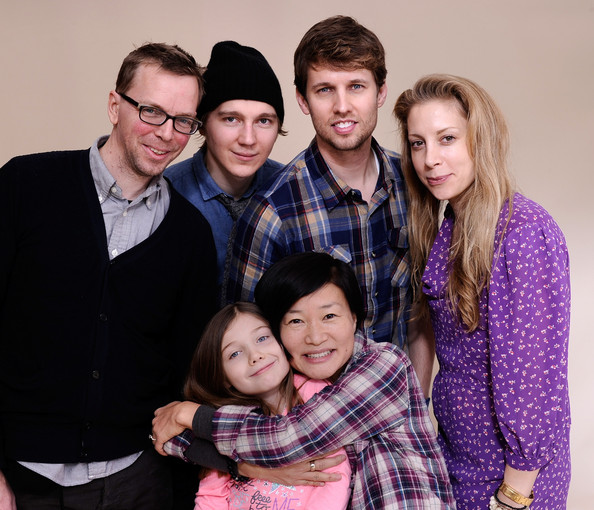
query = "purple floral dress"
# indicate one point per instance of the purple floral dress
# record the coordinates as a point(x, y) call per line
point(501, 395)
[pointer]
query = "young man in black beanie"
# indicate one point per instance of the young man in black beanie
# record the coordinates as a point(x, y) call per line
point(242, 113)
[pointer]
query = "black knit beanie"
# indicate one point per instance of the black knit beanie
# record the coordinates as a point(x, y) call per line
point(239, 72)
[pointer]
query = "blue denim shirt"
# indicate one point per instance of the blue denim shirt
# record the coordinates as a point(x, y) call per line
point(192, 180)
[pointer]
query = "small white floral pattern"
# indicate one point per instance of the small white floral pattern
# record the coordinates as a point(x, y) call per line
point(501, 393)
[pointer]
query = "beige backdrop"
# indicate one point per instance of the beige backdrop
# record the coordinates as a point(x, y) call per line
point(59, 59)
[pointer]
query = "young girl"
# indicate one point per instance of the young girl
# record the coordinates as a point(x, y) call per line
point(494, 277)
point(239, 362)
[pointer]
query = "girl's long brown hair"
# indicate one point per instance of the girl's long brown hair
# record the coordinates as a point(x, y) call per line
point(206, 382)
point(478, 207)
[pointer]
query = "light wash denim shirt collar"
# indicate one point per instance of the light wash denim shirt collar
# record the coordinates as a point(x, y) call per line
point(210, 189)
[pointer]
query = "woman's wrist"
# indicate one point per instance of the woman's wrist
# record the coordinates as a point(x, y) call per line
point(234, 472)
point(185, 414)
point(511, 494)
point(515, 489)
point(505, 503)
point(508, 498)
point(202, 423)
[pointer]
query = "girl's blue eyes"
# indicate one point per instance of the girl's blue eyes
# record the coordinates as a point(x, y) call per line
point(259, 340)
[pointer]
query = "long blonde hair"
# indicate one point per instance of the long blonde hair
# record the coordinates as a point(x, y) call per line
point(478, 206)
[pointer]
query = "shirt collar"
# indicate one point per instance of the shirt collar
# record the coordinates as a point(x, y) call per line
point(361, 342)
point(207, 185)
point(359, 346)
point(332, 189)
point(106, 185)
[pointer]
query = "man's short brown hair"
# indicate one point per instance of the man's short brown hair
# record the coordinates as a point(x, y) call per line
point(167, 57)
point(339, 42)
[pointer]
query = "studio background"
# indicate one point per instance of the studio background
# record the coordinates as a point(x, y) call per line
point(60, 59)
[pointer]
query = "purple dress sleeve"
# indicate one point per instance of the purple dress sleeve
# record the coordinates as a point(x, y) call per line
point(529, 308)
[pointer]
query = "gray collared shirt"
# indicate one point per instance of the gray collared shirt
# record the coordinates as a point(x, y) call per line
point(126, 225)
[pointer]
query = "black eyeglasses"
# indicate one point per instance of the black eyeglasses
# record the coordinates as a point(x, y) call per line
point(157, 117)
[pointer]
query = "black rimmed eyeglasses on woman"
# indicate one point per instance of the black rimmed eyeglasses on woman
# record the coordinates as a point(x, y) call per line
point(157, 117)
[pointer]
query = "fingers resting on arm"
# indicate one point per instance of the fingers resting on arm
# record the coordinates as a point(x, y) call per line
point(171, 420)
point(300, 473)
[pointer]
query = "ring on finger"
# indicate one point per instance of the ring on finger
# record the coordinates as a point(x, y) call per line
point(312, 466)
point(152, 438)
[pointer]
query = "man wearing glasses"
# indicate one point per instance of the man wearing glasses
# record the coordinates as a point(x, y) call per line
point(107, 277)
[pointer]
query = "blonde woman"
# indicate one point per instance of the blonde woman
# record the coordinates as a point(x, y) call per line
point(494, 278)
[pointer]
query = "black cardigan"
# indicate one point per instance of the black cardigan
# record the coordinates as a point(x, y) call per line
point(89, 347)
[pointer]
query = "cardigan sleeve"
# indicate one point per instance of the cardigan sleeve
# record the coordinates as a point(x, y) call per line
point(369, 398)
point(8, 196)
point(529, 306)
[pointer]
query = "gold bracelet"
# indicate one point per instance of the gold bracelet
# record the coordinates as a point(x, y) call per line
point(515, 496)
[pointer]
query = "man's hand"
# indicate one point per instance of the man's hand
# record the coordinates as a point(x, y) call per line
point(299, 473)
point(7, 501)
point(171, 420)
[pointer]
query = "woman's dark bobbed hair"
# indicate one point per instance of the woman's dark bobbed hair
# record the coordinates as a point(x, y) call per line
point(299, 275)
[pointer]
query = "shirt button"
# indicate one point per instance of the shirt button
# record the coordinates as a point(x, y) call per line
point(114, 189)
point(95, 374)
point(373, 254)
point(125, 213)
point(103, 317)
point(114, 252)
point(375, 294)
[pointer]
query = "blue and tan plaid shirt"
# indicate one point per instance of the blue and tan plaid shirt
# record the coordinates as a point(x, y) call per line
point(309, 209)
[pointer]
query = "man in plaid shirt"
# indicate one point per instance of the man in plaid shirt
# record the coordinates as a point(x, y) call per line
point(344, 195)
